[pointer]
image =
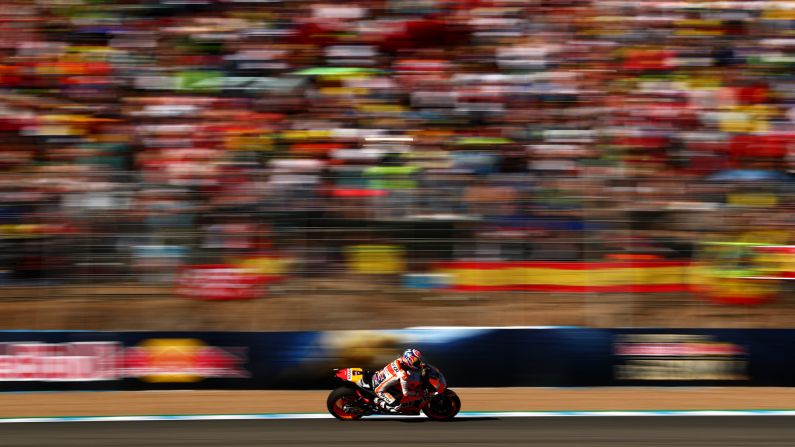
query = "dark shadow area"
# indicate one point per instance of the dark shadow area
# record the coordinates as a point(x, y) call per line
point(431, 421)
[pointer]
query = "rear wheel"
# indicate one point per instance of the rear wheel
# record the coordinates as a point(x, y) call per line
point(443, 407)
point(342, 403)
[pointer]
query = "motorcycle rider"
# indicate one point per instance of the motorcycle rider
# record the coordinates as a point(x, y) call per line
point(404, 370)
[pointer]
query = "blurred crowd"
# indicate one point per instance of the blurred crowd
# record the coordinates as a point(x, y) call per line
point(137, 135)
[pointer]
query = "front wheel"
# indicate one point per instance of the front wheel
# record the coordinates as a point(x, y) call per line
point(342, 403)
point(443, 407)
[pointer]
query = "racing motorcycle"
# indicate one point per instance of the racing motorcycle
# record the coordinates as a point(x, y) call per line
point(355, 397)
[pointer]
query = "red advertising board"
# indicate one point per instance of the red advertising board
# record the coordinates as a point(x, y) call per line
point(153, 360)
point(61, 362)
point(220, 282)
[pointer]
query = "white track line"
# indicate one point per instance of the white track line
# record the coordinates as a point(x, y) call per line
point(500, 414)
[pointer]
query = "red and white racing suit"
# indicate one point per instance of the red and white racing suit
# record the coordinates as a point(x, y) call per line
point(393, 374)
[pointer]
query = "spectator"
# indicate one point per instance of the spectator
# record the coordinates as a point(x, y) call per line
point(160, 113)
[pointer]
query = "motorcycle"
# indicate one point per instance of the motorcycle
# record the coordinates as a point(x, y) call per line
point(355, 397)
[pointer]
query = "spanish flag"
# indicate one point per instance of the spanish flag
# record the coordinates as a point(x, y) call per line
point(615, 277)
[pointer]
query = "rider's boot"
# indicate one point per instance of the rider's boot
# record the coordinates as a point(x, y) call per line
point(385, 406)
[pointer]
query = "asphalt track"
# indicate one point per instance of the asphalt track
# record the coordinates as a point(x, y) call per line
point(603, 431)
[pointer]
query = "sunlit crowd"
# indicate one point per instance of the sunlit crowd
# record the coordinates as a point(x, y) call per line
point(143, 134)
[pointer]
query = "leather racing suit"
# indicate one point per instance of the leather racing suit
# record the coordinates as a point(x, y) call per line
point(393, 374)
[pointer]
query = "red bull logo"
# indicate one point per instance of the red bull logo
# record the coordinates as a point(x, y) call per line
point(183, 360)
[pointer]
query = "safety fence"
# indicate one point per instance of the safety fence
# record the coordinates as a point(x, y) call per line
point(410, 229)
point(555, 356)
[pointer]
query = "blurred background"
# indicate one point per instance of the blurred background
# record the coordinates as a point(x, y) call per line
point(282, 165)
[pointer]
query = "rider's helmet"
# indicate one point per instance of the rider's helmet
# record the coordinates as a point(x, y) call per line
point(412, 358)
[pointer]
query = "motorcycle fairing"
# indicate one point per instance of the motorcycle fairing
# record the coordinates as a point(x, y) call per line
point(354, 375)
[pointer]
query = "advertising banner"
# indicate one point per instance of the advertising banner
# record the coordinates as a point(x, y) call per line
point(686, 357)
point(569, 276)
point(469, 357)
point(375, 259)
point(114, 360)
point(221, 282)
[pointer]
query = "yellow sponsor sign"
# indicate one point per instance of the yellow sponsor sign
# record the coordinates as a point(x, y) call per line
point(375, 259)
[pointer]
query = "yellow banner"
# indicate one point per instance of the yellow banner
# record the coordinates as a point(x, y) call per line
point(565, 277)
point(375, 259)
